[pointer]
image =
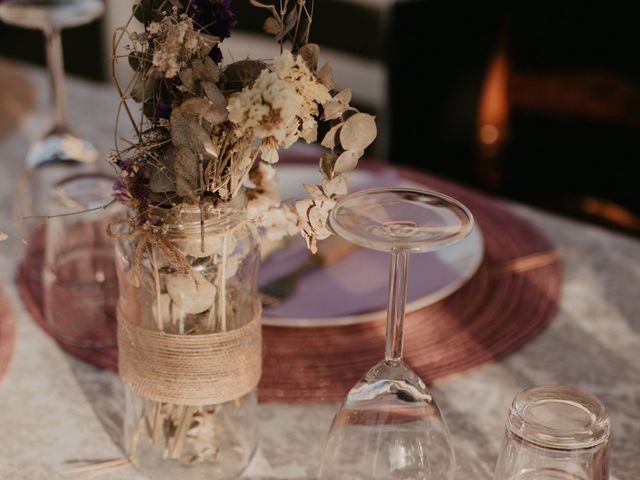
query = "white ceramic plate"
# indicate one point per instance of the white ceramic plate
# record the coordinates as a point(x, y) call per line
point(355, 289)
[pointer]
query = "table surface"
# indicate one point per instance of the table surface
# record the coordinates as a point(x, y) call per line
point(56, 409)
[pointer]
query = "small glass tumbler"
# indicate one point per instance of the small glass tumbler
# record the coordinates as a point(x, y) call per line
point(79, 277)
point(555, 432)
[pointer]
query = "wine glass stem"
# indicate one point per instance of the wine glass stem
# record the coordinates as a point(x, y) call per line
point(55, 64)
point(397, 303)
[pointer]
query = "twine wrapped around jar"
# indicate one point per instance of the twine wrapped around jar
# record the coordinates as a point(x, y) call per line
point(190, 369)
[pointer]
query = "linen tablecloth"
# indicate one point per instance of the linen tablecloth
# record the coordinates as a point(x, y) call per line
point(55, 409)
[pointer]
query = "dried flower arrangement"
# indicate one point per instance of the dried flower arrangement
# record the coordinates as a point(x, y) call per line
point(207, 127)
point(206, 138)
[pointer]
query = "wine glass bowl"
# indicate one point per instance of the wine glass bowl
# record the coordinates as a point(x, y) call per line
point(389, 426)
point(50, 14)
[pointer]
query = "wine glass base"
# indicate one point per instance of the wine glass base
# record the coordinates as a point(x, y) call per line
point(401, 220)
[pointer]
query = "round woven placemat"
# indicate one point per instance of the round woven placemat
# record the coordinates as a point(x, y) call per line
point(7, 335)
point(492, 315)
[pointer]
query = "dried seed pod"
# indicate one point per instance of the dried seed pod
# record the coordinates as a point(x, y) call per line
point(191, 293)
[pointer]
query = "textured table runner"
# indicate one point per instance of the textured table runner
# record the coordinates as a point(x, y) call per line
point(492, 315)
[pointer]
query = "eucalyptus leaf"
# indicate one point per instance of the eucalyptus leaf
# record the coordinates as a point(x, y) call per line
point(241, 74)
point(272, 26)
point(310, 54)
point(290, 22)
point(325, 76)
point(186, 77)
point(147, 11)
point(318, 220)
point(208, 42)
point(134, 60)
point(206, 70)
point(187, 125)
point(348, 160)
point(215, 96)
point(337, 186)
point(164, 179)
point(186, 173)
point(327, 162)
point(143, 90)
point(358, 132)
point(315, 192)
point(337, 105)
point(331, 138)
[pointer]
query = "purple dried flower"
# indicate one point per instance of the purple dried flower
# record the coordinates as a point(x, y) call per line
point(121, 191)
point(163, 110)
point(214, 17)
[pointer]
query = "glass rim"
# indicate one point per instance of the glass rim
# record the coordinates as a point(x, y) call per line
point(524, 421)
point(186, 219)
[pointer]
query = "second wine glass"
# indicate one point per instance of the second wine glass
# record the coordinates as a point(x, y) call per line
point(59, 153)
point(390, 427)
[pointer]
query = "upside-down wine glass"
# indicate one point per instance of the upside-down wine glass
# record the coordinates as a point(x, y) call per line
point(59, 153)
point(389, 426)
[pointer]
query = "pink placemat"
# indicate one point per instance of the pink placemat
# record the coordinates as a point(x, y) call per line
point(489, 317)
point(7, 335)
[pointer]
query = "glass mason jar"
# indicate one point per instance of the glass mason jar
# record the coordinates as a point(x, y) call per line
point(189, 342)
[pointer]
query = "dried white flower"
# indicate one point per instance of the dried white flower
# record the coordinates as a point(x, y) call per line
point(154, 28)
point(3, 236)
point(281, 106)
point(180, 42)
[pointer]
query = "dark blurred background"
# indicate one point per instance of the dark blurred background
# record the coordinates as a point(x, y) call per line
point(537, 101)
